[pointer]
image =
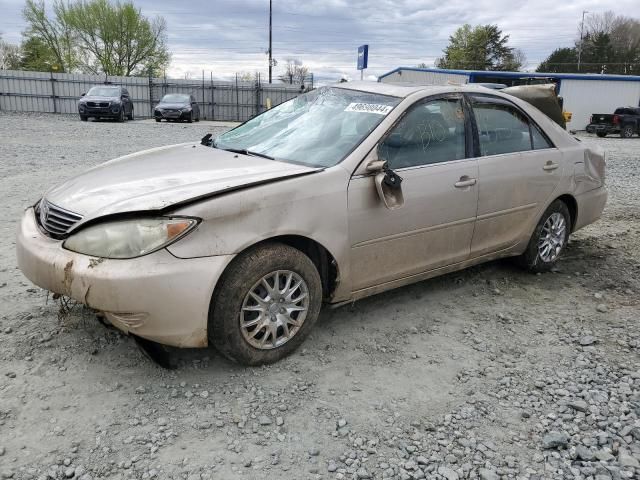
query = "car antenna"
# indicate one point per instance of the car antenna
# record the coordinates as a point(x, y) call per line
point(206, 140)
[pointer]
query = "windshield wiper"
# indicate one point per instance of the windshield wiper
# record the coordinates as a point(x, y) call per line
point(244, 151)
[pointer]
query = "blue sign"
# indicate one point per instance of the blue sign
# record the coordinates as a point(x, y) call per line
point(363, 56)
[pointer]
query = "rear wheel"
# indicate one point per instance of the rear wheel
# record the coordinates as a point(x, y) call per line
point(267, 303)
point(627, 131)
point(549, 239)
point(601, 134)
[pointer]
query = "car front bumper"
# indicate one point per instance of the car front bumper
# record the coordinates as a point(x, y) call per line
point(158, 296)
point(171, 115)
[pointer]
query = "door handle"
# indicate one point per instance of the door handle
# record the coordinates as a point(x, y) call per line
point(465, 181)
point(550, 166)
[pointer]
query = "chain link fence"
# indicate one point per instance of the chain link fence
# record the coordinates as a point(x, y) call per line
point(22, 91)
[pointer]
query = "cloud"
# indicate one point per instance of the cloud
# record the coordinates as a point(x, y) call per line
point(228, 36)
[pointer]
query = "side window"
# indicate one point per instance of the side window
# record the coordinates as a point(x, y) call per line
point(430, 132)
point(501, 127)
point(540, 141)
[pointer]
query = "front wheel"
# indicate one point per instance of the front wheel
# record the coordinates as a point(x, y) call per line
point(190, 119)
point(601, 134)
point(130, 116)
point(121, 116)
point(627, 131)
point(83, 118)
point(549, 239)
point(266, 304)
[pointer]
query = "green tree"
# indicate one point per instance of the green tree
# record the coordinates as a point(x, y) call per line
point(119, 39)
point(37, 56)
point(482, 47)
point(54, 32)
point(98, 36)
point(610, 44)
point(560, 60)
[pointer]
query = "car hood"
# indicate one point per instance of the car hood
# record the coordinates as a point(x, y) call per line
point(173, 105)
point(160, 178)
point(92, 98)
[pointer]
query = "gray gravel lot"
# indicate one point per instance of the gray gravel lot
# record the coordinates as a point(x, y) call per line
point(488, 373)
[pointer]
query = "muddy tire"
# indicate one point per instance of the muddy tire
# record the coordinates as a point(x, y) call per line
point(266, 304)
point(627, 131)
point(601, 134)
point(548, 240)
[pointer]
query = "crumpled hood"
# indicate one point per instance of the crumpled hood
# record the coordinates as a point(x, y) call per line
point(161, 177)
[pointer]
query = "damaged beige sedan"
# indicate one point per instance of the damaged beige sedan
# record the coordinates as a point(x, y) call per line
point(336, 195)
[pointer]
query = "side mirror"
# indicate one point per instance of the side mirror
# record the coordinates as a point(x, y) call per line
point(82, 94)
point(388, 184)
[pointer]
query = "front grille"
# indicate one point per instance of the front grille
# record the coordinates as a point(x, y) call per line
point(98, 104)
point(55, 220)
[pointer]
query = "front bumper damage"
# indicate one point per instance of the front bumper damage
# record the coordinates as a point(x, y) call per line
point(158, 296)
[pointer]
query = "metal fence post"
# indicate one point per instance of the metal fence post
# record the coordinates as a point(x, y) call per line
point(213, 112)
point(258, 88)
point(237, 100)
point(53, 93)
point(150, 86)
point(205, 115)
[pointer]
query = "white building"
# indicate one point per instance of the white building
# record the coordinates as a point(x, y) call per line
point(583, 94)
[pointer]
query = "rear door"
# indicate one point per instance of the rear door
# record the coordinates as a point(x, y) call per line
point(519, 169)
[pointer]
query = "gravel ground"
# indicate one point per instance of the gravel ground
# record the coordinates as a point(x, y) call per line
point(488, 373)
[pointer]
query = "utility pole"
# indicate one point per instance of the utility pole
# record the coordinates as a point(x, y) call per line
point(270, 47)
point(581, 36)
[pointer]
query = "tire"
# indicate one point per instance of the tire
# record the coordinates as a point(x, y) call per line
point(627, 131)
point(158, 120)
point(601, 134)
point(84, 118)
point(190, 119)
point(130, 116)
point(232, 303)
point(533, 259)
point(121, 116)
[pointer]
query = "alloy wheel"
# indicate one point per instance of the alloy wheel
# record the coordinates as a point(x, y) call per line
point(274, 309)
point(552, 237)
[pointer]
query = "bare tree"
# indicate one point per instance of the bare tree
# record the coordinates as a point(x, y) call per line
point(295, 72)
point(10, 55)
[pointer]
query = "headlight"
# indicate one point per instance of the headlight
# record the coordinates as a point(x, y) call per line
point(185, 110)
point(129, 238)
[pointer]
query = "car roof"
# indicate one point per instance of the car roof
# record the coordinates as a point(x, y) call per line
point(406, 89)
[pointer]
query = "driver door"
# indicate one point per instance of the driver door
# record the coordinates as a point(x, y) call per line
point(430, 147)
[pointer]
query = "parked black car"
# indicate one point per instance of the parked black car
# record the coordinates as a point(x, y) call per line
point(106, 101)
point(177, 106)
point(625, 121)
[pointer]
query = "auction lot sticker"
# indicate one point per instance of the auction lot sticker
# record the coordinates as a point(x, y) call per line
point(369, 108)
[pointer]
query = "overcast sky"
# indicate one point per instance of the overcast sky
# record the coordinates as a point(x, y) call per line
point(228, 36)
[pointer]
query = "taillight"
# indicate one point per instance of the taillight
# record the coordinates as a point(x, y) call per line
point(616, 119)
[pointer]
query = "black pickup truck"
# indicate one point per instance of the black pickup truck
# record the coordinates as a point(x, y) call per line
point(625, 121)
